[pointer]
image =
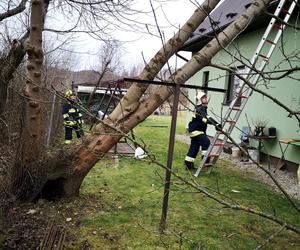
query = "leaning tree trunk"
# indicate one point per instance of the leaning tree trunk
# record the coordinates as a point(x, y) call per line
point(82, 157)
point(129, 103)
point(34, 80)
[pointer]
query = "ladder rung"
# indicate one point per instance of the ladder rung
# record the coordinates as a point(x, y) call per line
point(285, 11)
point(207, 165)
point(244, 96)
point(230, 121)
point(219, 144)
point(270, 41)
point(236, 108)
point(264, 56)
point(213, 155)
point(278, 26)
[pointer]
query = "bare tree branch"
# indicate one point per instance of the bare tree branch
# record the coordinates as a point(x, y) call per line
point(18, 9)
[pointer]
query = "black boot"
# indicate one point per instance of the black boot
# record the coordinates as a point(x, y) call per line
point(207, 160)
point(189, 165)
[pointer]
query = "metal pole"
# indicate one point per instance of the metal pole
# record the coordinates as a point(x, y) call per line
point(163, 219)
point(188, 86)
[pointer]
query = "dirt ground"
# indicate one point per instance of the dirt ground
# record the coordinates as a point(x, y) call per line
point(288, 180)
point(27, 224)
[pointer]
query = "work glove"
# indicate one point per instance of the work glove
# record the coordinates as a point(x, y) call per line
point(218, 127)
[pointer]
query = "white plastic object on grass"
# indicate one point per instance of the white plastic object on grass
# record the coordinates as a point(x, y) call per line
point(101, 114)
point(139, 153)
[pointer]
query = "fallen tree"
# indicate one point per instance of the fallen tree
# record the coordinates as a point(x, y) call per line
point(66, 169)
point(60, 173)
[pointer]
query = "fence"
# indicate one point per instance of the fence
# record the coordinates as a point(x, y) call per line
point(13, 135)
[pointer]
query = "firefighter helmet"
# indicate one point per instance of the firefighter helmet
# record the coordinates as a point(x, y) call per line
point(69, 93)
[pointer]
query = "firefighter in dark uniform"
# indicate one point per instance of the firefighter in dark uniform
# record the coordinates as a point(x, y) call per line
point(197, 129)
point(72, 117)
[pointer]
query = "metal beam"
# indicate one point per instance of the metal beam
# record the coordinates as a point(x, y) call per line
point(181, 57)
point(174, 85)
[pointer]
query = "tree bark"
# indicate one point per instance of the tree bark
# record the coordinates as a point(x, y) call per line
point(130, 101)
point(34, 81)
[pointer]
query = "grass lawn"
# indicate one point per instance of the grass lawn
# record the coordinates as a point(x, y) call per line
point(131, 204)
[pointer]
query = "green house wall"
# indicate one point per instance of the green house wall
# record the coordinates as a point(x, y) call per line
point(285, 90)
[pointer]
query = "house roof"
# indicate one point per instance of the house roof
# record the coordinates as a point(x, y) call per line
point(105, 84)
point(99, 90)
point(227, 12)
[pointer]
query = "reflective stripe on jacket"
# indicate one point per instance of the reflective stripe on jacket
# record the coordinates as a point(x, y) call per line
point(71, 114)
point(195, 133)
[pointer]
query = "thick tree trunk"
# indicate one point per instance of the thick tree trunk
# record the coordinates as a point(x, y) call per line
point(93, 147)
point(65, 169)
point(34, 79)
point(8, 65)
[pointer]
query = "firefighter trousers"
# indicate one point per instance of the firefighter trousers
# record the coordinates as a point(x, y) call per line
point(69, 131)
point(197, 142)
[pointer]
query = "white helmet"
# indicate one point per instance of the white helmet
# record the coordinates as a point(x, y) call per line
point(200, 95)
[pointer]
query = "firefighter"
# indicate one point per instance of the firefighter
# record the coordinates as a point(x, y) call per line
point(72, 117)
point(197, 129)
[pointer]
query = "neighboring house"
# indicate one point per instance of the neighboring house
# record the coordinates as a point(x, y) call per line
point(258, 108)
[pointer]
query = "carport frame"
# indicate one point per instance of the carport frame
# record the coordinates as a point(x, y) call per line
point(177, 87)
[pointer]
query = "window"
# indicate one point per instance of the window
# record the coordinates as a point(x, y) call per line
point(233, 83)
point(205, 80)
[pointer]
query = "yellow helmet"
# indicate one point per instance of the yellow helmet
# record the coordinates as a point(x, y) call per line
point(69, 93)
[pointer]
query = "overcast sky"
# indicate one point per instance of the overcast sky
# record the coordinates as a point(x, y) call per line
point(170, 15)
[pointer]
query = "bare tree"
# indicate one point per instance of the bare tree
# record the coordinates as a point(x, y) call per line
point(12, 9)
point(109, 62)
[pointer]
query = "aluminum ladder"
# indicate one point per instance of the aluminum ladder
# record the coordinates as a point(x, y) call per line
point(258, 62)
